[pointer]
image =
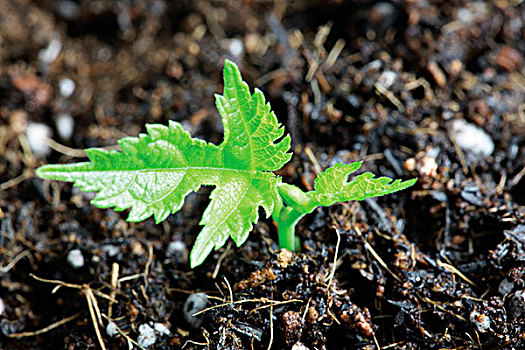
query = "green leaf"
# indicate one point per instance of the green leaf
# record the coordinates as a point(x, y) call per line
point(153, 173)
point(332, 185)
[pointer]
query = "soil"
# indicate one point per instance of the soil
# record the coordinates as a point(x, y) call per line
point(426, 89)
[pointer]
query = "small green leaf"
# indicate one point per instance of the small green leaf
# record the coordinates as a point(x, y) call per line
point(332, 185)
point(155, 171)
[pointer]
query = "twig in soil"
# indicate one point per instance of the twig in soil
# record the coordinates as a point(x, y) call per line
point(122, 333)
point(13, 262)
point(312, 158)
point(207, 344)
point(517, 178)
point(390, 96)
point(275, 302)
point(262, 300)
point(46, 329)
point(378, 258)
point(68, 151)
point(271, 326)
point(69, 285)
point(436, 304)
point(452, 269)
point(229, 289)
point(15, 181)
point(114, 284)
point(334, 53)
point(94, 311)
point(334, 267)
point(148, 263)
point(221, 258)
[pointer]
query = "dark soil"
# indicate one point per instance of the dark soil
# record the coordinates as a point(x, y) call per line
point(427, 89)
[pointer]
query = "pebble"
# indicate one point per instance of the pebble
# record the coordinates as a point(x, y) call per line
point(299, 346)
point(75, 258)
point(111, 250)
point(68, 9)
point(517, 303)
point(481, 321)
point(387, 79)
point(2, 306)
point(37, 135)
point(66, 87)
point(65, 125)
point(111, 329)
point(49, 54)
point(161, 328)
point(146, 336)
point(178, 251)
point(195, 303)
point(505, 287)
point(471, 138)
point(236, 48)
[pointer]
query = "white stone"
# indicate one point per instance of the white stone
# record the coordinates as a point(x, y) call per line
point(505, 287)
point(517, 303)
point(111, 250)
point(49, 54)
point(236, 47)
point(75, 258)
point(178, 251)
point(387, 78)
point(481, 321)
point(111, 329)
point(161, 328)
point(65, 125)
point(2, 306)
point(37, 135)
point(195, 303)
point(66, 87)
point(471, 138)
point(299, 346)
point(147, 336)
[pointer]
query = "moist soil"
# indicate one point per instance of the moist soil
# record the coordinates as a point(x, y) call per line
point(426, 89)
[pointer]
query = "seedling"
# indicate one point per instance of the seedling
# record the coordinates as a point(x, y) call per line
point(153, 173)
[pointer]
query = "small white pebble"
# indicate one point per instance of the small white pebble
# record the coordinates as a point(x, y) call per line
point(65, 125)
point(75, 258)
point(505, 287)
point(178, 251)
point(387, 78)
point(161, 328)
point(471, 138)
point(299, 346)
point(37, 135)
point(480, 321)
point(49, 54)
point(2, 306)
point(68, 9)
point(147, 336)
point(195, 303)
point(236, 47)
point(66, 87)
point(517, 303)
point(111, 329)
point(111, 250)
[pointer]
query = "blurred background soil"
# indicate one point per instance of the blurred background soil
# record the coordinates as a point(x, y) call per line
point(415, 88)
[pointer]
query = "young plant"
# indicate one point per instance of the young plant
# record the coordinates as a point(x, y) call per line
point(153, 173)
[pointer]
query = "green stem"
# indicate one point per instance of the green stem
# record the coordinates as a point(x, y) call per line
point(288, 218)
point(298, 204)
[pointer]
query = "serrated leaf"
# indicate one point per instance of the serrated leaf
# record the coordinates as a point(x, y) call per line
point(332, 185)
point(153, 173)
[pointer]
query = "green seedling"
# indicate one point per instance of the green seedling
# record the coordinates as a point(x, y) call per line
point(153, 173)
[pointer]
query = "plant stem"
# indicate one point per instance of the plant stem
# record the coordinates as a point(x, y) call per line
point(288, 218)
point(298, 204)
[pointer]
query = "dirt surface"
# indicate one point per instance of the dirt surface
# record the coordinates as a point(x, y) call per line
point(427, 89)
